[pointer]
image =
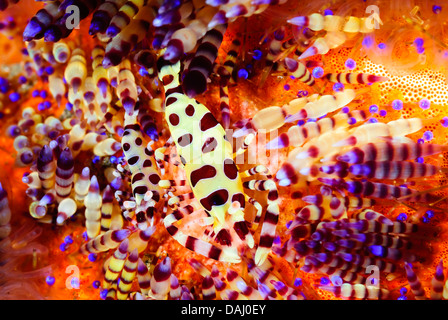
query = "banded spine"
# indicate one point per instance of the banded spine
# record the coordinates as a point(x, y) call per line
point(43, 19)
point(76, 72)
point(160, 280)
point(127, 275)
point(46, 168)
point(116, 264)
point(299, 71)
point(64, 174)
point(109, 240)
point(5, 214)
point(121, 45)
